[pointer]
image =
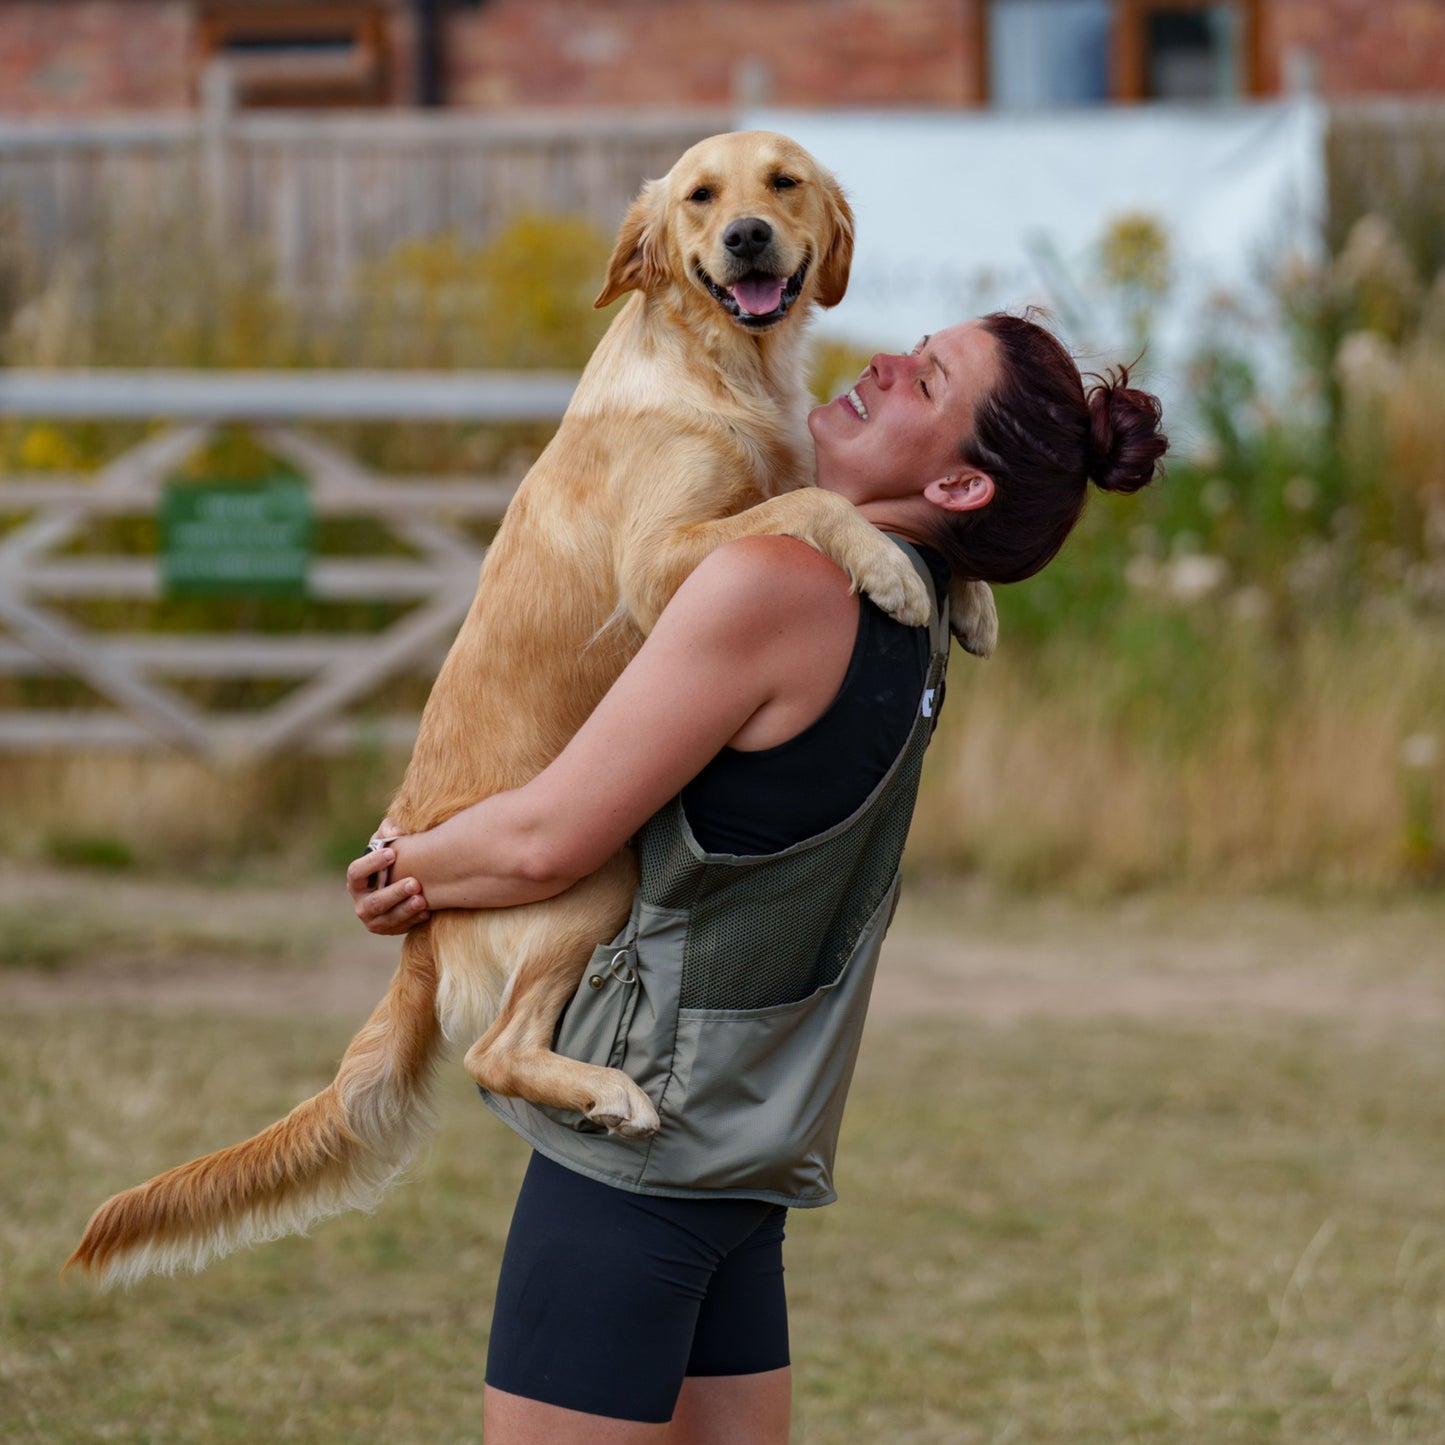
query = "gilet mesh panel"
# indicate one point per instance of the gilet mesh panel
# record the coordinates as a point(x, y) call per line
point(775, 929)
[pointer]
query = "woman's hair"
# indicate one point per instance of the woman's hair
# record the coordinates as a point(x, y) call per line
point(1042, 436)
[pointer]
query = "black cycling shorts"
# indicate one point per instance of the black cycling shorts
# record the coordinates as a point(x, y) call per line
point(607, 1300)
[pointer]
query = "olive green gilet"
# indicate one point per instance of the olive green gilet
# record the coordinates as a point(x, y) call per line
point(735, 996)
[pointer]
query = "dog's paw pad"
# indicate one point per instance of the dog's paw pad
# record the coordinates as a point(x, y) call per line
point(626, 1125)
point(637, 1128)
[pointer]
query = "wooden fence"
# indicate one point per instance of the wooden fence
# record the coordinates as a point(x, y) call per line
point(1388, 158)
point(130, 671)
point(320, 193)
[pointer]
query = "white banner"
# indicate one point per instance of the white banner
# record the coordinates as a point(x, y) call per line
point(963, 213)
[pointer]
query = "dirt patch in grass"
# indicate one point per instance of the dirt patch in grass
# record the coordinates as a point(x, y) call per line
point(292, 946)
point(1371, 964)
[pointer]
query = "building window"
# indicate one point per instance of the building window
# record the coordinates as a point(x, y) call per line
point(1042, 53)
point(1048, 52)
point(297, 54)
point(1193, 52)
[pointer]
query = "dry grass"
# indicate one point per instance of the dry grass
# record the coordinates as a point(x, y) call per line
point(173, 812)
point(1068, 1230)
point(1066, 766)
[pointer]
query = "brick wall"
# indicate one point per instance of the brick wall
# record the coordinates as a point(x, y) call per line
point(1360, 47)
point(79, 57)
point(83, 56)
point(861, 52)
point(686, 52)
point(74, 57)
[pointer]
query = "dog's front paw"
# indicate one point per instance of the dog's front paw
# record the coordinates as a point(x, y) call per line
point(973, 617)
point(622, 1108)
point(895, 586)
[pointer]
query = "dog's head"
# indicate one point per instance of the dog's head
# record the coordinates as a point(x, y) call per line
point(741, 230)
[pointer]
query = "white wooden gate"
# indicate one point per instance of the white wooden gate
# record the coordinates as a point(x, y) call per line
point(129, 670)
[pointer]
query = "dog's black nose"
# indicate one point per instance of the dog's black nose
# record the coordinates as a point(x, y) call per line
point(747, 238)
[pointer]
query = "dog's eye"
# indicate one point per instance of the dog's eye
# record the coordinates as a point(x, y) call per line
point(784, 183)
point(701, 194)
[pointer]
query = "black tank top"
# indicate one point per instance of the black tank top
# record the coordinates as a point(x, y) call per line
point(766, 800)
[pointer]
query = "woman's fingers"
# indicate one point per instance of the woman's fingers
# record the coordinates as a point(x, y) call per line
point(393, 909)
point(361, 872)
point(386, 900)
point(398, 918)
point(360, 869)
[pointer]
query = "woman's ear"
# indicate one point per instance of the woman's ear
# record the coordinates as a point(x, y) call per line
point(961, 492)
point(639, 261)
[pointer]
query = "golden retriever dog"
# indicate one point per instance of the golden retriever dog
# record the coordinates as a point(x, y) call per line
point(688, 429)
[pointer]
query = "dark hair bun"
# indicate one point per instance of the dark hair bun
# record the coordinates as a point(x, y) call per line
point(1125, 440)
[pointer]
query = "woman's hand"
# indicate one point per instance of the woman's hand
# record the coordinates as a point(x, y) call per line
point(398, 907)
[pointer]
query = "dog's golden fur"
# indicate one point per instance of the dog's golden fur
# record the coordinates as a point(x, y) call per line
point(688, 429)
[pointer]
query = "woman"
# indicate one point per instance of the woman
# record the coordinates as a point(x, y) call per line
point(765, 743)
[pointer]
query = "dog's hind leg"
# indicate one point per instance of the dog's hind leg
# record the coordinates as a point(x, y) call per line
point(515, 1057)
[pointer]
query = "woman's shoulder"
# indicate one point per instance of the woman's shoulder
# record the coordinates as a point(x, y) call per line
point(765, 577)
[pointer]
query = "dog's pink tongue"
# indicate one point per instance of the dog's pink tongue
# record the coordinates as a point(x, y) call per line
point(758, 297)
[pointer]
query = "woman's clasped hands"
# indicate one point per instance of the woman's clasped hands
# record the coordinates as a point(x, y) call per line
point(399, 905)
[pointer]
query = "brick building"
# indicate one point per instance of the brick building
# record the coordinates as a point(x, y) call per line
point(78, 57)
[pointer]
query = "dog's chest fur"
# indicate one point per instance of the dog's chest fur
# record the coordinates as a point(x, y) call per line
point(745, 401)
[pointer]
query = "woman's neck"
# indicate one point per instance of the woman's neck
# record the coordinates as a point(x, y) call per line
point(906, 517)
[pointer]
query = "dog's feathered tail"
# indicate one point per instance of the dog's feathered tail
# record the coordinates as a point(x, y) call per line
point(337, 1151)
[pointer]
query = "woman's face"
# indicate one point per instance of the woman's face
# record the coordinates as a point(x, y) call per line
point(899, 427)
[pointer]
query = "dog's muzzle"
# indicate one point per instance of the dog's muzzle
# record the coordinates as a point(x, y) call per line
point(757, 299)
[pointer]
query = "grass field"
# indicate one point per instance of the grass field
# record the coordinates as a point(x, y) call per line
point(1062, 1224)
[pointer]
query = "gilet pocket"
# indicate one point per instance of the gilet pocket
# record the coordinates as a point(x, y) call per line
point(594, 1026)
point(593, 1029)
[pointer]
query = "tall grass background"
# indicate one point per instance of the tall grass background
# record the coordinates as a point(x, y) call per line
point(1236, 679)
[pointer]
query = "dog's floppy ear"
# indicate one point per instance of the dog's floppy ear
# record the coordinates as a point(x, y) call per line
point(639, 261)
point(838, 258)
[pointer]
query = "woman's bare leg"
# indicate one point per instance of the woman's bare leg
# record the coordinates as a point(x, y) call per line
point(732, 1409)
point(515, 1420)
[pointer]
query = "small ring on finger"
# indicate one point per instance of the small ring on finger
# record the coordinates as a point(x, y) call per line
point(382, 876)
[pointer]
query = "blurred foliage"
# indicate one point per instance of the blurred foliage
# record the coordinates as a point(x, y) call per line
point(1136, 263)
point(1135, 254)
point(522, 300)
point(233, 453)
point(1310, 510)
point(1271, 617)
point(835, 367)
point(89, 850)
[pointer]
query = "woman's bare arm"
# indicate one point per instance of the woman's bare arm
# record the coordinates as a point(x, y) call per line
point(758, 635)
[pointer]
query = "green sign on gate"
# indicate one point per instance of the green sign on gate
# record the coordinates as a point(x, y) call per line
point(230, 539)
